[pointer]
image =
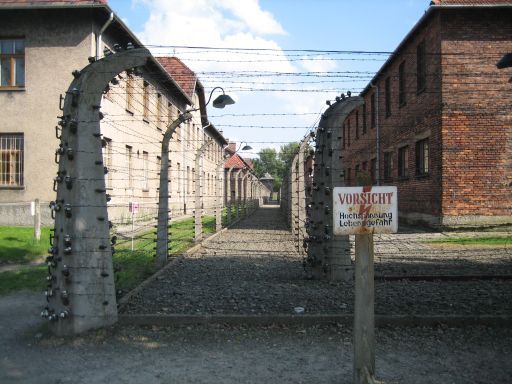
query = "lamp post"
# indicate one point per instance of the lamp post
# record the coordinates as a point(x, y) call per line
point(162, 234)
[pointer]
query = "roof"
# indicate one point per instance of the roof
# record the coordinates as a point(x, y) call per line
point(184, 76)
point(237, 162)
point(216, 135)
point(435, 5)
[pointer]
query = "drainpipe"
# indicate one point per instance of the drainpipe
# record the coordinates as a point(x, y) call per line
point(377, 131)
point(98, 38)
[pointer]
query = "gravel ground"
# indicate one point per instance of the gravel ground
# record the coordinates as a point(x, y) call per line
point(229, 355)
point(253, 268)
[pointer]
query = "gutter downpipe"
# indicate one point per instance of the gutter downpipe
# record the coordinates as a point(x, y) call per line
point(99, 37)
point(377, 131)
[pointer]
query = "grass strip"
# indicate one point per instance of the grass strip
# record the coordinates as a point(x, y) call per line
point(18, 246)
point(488, 241)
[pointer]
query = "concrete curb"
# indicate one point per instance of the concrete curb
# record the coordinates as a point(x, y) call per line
point(309, 320)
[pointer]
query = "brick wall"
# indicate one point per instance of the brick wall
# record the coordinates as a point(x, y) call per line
point(477, 102)
point(417, 117)
point(464, 112)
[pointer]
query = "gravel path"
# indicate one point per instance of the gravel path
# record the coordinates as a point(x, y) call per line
point(253, 268)
point(233, 355)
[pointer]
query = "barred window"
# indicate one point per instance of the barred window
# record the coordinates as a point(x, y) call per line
point(403, 162)
point(145, 101)
point(12, 63)
point(145, 171)
point(11, 159)
point(388, 165)
point(129, 165)
point(422, 163)
point(129, 93)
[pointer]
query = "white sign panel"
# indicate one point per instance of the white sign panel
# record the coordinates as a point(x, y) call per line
point(134, 207)
point(360, 210)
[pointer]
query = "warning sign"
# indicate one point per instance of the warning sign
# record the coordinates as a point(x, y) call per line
point(134, 207)
point(360, 210)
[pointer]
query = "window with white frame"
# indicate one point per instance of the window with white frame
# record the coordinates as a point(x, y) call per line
point(129, 166)
point(11, 159)
point(145, 171)
point(12, 63)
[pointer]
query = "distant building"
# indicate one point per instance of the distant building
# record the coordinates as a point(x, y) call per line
point(436, 121)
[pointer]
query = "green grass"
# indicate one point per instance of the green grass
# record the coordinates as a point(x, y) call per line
point(17, 244)
point(132, 267)
point(487, 241)
point(32, 278)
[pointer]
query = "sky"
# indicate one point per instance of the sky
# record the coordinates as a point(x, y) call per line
point(279, 59)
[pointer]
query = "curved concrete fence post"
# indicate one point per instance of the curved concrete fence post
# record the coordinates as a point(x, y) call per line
point(329, 255)
point(81, 294)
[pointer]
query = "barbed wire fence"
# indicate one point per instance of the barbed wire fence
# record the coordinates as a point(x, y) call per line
point(133, 208)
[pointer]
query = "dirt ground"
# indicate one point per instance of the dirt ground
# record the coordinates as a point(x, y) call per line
point(217, 354)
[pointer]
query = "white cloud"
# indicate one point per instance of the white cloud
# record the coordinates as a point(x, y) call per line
point(318, 64)
point(237, 24)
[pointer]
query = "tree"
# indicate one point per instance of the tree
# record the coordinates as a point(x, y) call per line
point(275, 164)
point(286, 154)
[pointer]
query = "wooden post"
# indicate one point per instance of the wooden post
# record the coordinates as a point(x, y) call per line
point(364, 315)
point(37, 220)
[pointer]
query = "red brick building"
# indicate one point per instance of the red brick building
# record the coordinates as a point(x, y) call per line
point(437, 119)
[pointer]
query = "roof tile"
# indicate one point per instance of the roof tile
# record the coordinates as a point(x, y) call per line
point(182, 74)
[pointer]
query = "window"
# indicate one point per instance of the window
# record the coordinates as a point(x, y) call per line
point(422, 163)
point(403, 162)
point(358, 171)
point(188, 181)
point(129, 93)
point(107, 160)
point(373, 106)
point(12, 63)
point(387, 89)
point(145, 102)
point(357, 124)
point(11, 159)
point(401, 84)
point(159, 111)
point(129, 166)
point(364, 119)
point(145, 171)
point(388, 165)
point(365, 166)
point(421, 67)
point(178, 176)
point(348, 177)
